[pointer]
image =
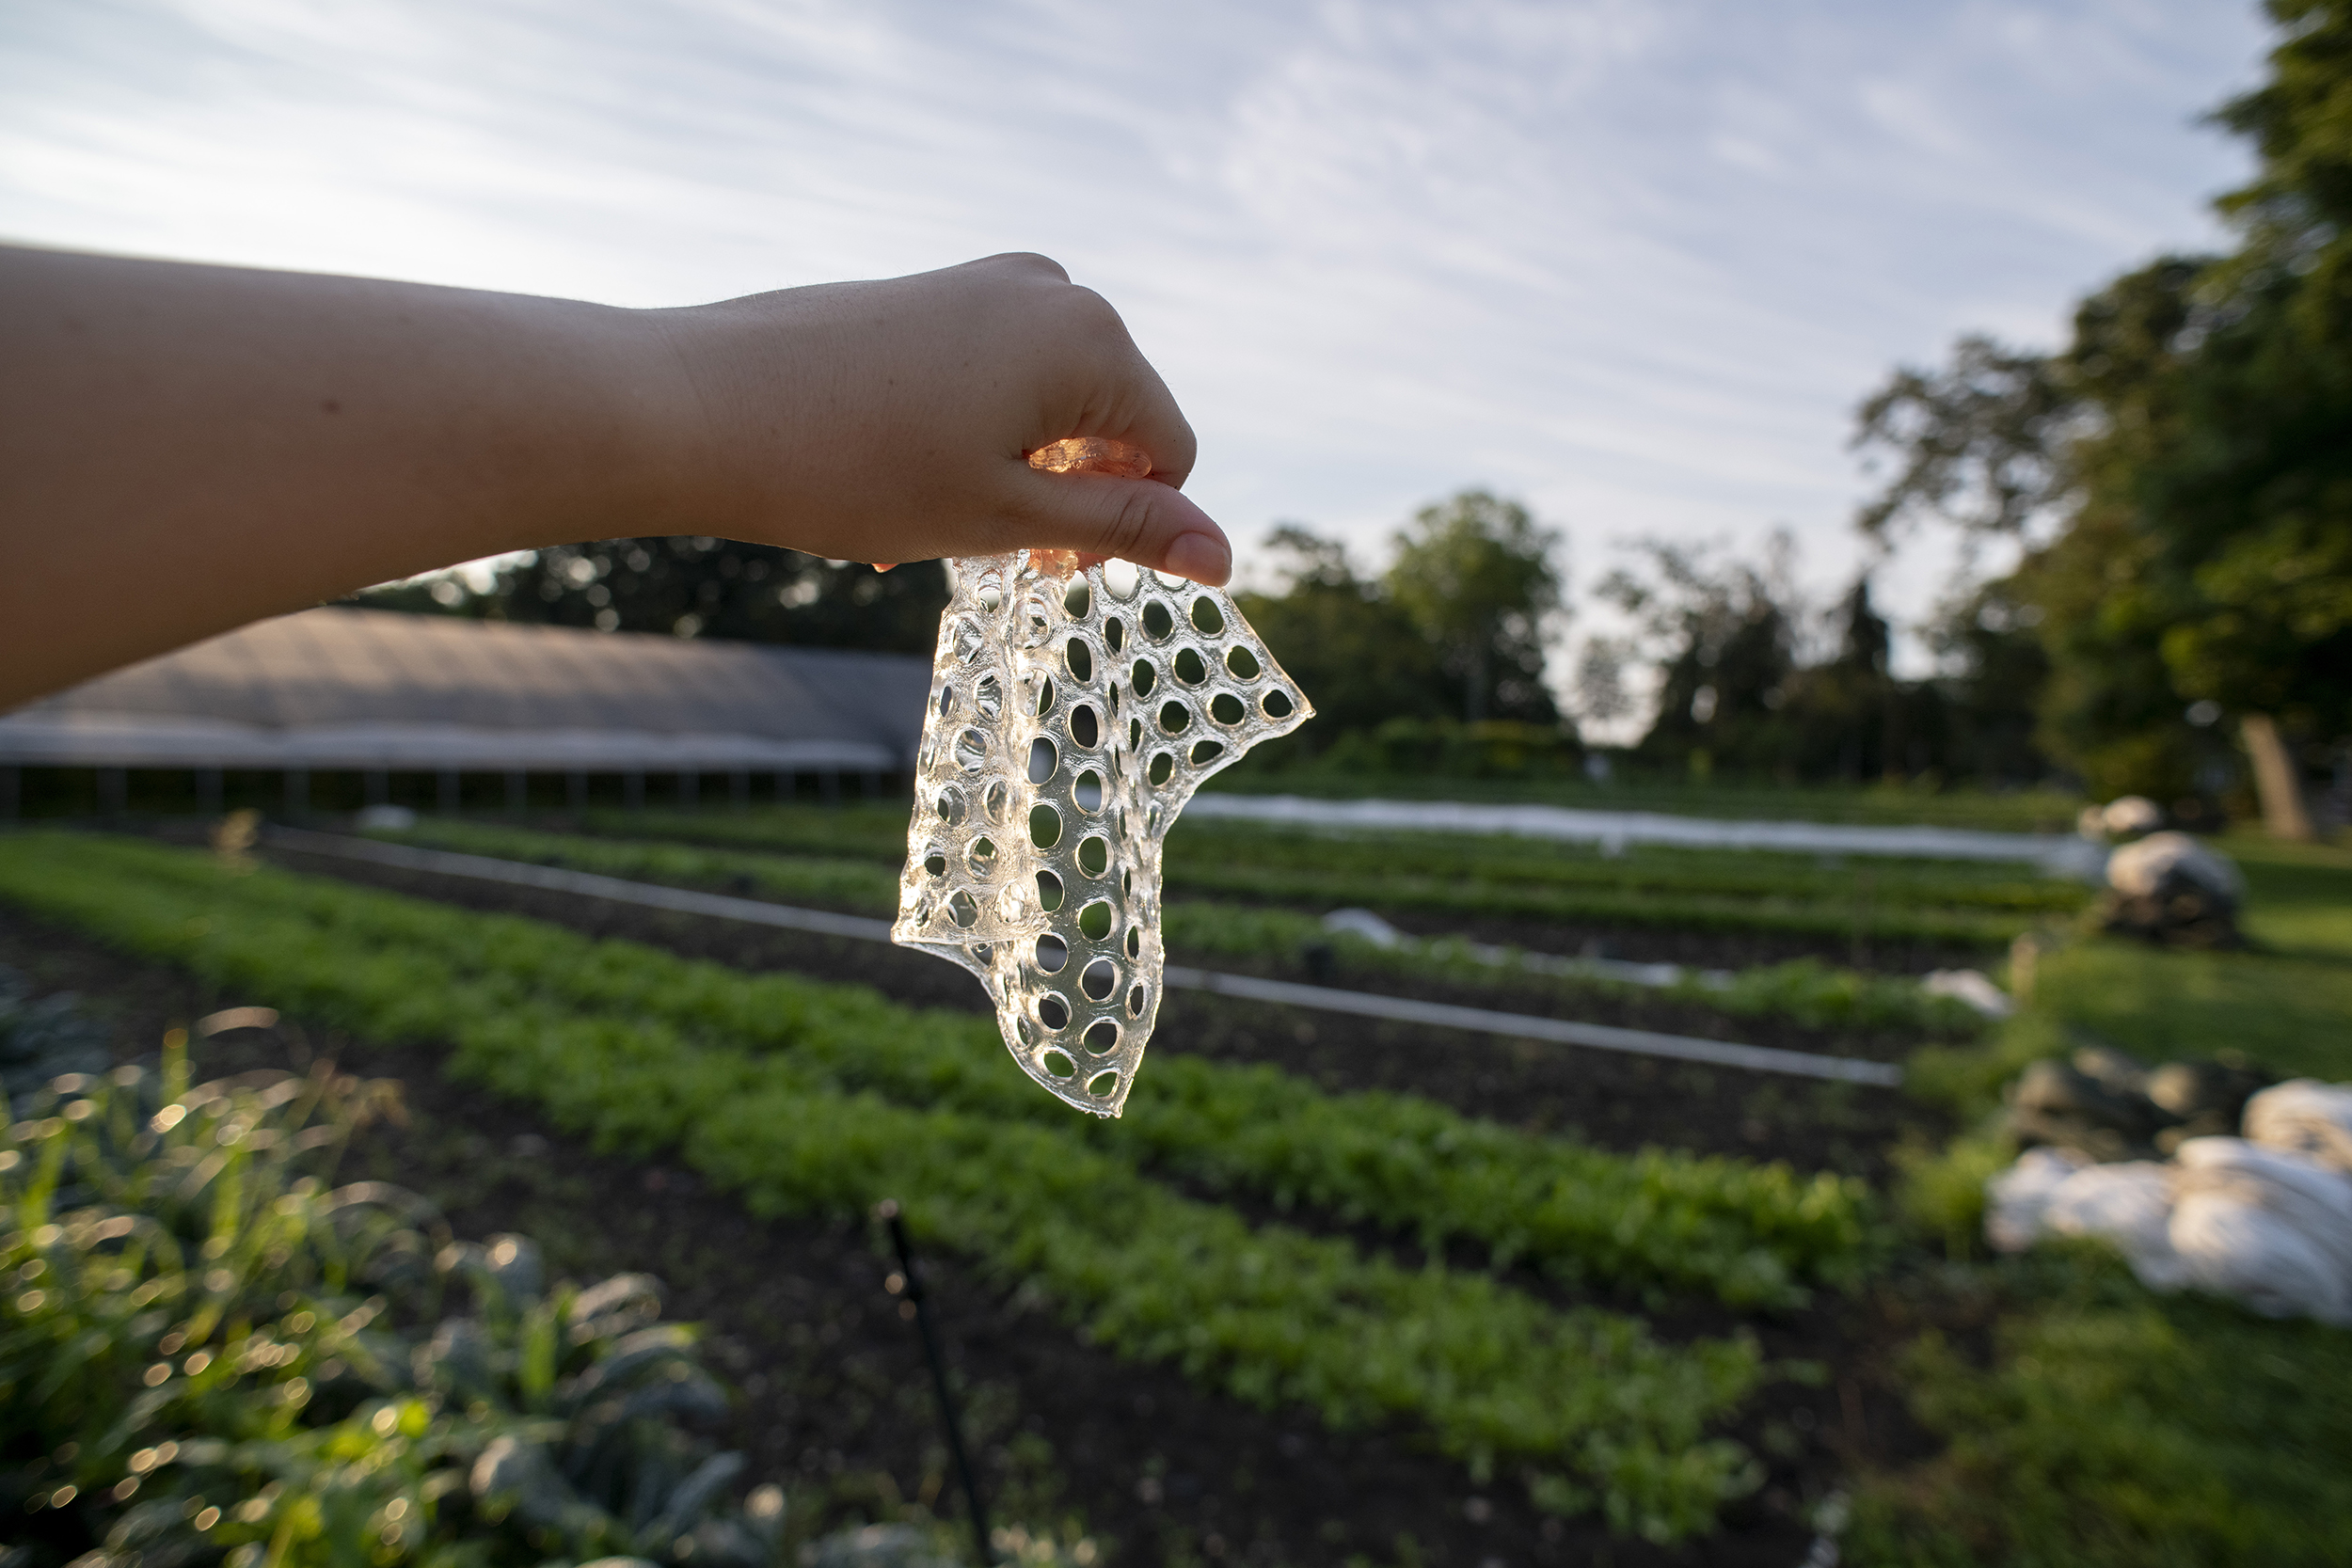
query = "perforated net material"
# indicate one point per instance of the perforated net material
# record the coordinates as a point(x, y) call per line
point(1069, 724)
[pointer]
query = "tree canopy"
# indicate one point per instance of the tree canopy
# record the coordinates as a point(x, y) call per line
point(2191, 451)
point(1475, 576)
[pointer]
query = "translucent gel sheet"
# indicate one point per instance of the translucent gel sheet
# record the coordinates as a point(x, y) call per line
point(1069, 724)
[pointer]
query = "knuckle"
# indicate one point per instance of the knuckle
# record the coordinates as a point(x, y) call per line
point(1031, 261)
point(1130, 522)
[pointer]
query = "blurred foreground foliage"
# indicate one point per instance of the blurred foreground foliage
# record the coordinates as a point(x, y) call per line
point(209, 1354)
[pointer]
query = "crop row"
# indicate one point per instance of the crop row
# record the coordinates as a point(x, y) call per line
point(1750, 1235)
point(1876, 886)
point(205, 1348)
point(1806, 990)
point(1583, 1403)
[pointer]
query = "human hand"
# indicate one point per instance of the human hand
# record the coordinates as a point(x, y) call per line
point(893, 421)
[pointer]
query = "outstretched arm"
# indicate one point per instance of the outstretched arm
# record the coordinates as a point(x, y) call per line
point(183, 449)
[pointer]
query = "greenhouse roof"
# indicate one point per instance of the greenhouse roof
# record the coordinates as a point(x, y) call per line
point(359, 688)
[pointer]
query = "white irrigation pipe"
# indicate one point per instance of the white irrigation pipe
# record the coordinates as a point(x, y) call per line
point(1599, 1037)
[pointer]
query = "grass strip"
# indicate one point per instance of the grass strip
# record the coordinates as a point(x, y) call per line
point(2107, 1426)
point(1805, 991)
point(1584, 1403)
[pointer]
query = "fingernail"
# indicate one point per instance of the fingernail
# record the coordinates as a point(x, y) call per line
point(1202, 557)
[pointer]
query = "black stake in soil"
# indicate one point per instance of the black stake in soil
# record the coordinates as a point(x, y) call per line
point(887, 1211)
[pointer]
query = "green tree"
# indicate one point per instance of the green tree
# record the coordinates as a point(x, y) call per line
point(1354, 652)
point(1724, 637)
point(1475, 576)
point(2194, 445)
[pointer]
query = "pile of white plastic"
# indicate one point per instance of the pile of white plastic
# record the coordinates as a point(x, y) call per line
point(2265, 1218)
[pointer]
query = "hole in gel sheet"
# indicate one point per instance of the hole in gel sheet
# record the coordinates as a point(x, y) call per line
point(1094, 856)
point(1138, 685)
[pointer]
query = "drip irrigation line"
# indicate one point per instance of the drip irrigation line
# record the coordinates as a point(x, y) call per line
point(950, 1420)
point(1442, 1015)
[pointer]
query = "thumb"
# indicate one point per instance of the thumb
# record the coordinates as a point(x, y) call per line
point(1141, 520)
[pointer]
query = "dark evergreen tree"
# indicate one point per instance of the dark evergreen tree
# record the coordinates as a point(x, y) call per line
point(699, 587)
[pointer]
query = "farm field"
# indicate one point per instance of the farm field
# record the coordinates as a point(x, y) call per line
point(1332, 1291)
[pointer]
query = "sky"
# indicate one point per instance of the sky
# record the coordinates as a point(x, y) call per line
point(1630, 261)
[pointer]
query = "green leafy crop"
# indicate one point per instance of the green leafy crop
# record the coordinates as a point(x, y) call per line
point(207, 1353)
point(642, 1051)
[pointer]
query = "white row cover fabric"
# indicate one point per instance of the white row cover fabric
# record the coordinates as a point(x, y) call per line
point(2060, 854)
point(2270, 1226)
point(2140, 870)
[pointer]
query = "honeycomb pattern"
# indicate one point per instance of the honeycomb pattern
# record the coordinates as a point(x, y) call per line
point(1070, 721)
